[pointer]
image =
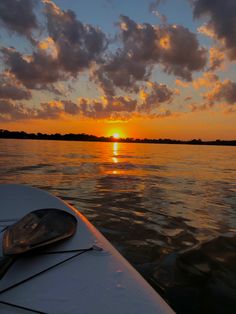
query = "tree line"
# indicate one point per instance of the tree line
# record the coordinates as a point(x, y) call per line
point(93, 138)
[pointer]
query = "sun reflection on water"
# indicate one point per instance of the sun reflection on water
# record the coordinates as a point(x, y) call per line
point(115, 160)
point(115, 148)
point(115, 152)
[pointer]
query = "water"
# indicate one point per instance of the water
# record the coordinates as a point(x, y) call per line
point(149, 200)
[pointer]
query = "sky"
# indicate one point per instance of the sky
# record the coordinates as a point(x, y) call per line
point(139, 68)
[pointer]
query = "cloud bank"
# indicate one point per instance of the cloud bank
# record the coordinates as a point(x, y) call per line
point(151, 103)
point(67, 48)
point(143, 47)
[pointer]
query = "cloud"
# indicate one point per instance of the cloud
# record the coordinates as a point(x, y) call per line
point(143, 47)
point(11, 89)
point(164, 114)
point(208, 79)
point(10, 111)
point(216, 59)
point(206, 30)
point(70, 107)
point(36, 71)
point(5, 106)
point(77, 44)
point(48, 110)
point(153, 8)
point(123, 72)
point(174, 57)
point(153, 96)
point(49, 47)
point(149, 104)
point(181, 83)
point(222, 91)
point(202, 107)
point(18, 16)
point(108, 107)
point(218, 92)
point(222, 21)
point(70, 48)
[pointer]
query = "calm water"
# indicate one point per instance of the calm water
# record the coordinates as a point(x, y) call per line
point(148, 200)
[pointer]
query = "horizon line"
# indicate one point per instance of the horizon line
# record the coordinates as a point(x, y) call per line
point(89, 137)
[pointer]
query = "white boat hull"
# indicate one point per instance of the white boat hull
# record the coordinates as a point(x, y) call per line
point(100, 282)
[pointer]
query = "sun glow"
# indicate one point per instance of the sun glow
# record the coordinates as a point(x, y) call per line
point(116, 135)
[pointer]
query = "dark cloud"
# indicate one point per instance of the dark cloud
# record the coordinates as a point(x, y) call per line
point(18, 16)
point(77, 44)
point(36, 71)
point(70, 48)
point(107, 107)
point(5, 106)
point(70, 107)
point(10, 111)
point(153, 96)
point(121, 71)
point(145, 45)
point(11, 89)
point(131, 63)
point(47, 111)
point(182, 54)
point(222, 22)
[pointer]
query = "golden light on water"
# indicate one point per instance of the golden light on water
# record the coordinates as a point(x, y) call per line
point(115, 160)
point(115, 152)
point(115, 148)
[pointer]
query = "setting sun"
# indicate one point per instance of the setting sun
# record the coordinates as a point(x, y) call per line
point(116, 135)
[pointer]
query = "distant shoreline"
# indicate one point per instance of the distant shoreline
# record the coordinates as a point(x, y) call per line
point(82, 137)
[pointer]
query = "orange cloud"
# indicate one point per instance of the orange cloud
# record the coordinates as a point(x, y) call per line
point(181, 83)
point(216, 58)
point(165, 42)
point(48, 44)
point(207, 30)
point(222, 91)
point(207, 80)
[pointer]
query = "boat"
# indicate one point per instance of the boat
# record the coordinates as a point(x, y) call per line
point(82, 274)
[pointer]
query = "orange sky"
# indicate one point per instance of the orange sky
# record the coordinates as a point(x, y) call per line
point(157, 70)
point(186, 126)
